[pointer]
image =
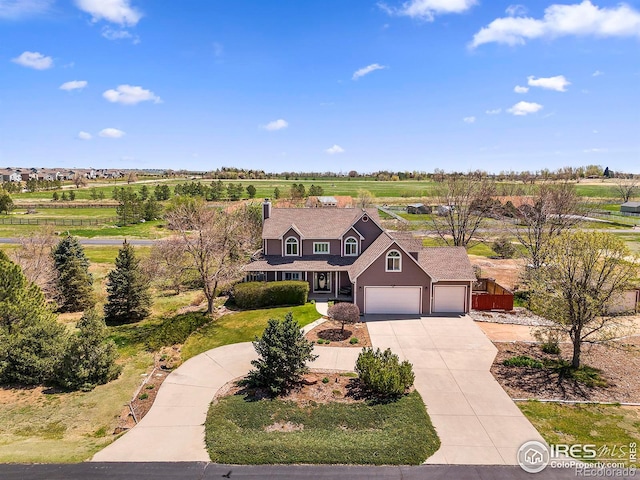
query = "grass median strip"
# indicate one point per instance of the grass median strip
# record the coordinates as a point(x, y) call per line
point(395, 433)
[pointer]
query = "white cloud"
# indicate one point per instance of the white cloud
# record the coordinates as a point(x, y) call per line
point(335, 150)
point(516, 10)
point(595, 150)
point(580, 19)
point(557, 83)
point(85, 136)
point(218, 49)
point(494, 111)
point(525, 108)
point(428, 9)
point(34, 60)
point(111, 133)
point(469, 119)
point(74, 85)
point(275, 125)
point(597, 73)
point(130, 95)
point(119, 34)
point(367, 70)
point(17, 9)
point(114, 11)
point(519, 89)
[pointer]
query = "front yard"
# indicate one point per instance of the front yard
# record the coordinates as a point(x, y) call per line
point(242, 430)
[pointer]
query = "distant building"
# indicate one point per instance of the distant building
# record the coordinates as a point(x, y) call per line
point(630, 207)
point(418, 208)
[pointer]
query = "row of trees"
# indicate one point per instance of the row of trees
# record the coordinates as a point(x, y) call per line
point(36, 349)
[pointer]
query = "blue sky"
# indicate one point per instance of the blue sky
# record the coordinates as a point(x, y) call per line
point(320, 85)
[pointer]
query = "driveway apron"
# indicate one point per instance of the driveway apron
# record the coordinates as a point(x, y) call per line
point(476, 420)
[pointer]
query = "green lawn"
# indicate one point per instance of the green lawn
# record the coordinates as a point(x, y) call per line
point(65, 427)
point(242, 327)
point(602, 425)
point(396, 433)
point(75, 213)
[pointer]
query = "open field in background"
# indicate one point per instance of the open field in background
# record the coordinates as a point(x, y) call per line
point(414, 189)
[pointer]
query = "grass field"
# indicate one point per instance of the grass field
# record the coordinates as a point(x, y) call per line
point(396, 433)
point(242, 327)
point(602, 425)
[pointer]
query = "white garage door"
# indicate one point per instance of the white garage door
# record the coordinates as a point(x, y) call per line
point(449, 298)
point(405, 300)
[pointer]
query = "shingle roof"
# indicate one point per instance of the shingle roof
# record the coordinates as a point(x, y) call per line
point(630, 204)
point(270, 263)
point(313, 222)
point(446, 263)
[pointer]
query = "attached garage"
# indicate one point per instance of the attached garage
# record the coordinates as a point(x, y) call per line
point(449, 298)
point(397, 300)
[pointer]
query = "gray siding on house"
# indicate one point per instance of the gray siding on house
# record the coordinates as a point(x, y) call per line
point(411, 275)
point(369, 230)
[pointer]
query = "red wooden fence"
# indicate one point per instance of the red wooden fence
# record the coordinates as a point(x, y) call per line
point(487, 301)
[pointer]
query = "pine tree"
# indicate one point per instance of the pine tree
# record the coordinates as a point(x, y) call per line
point(74, 280)
point(31, 340)
point(128, 297)
point(89, 359)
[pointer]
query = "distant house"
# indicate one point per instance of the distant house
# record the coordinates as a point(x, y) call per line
point(10, 175)
point(418, 208)
point(630, 207)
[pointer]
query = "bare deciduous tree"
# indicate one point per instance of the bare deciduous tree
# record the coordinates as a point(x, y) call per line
point(34, 257)
point(626, 188)
point(132, 177)
point(79, 180)
point(551, 210)
point(364, 198)
point(585, 272)
point(465, 203)
point(217, 243)
point(168, 264)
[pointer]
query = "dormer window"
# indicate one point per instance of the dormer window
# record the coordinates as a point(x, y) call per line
point(351, 247)
point(291, 247)
point(394, 261)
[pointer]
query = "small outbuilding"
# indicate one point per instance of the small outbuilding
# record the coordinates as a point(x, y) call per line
point(630, 207)
point(418, 208)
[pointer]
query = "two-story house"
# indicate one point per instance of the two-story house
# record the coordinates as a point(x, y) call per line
point(345, 252)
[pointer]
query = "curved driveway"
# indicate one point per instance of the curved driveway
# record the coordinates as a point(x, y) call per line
point(476, 420)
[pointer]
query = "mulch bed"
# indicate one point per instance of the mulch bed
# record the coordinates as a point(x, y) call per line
point(330, 330)
point(338, 387)
point(618, 363)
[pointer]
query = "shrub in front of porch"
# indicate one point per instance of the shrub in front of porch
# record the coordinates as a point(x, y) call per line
point(270, 294)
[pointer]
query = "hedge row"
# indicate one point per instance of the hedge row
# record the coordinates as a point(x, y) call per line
point(270, 294)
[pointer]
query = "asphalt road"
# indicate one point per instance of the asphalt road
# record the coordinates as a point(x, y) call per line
point(210, 471)
point(93, 241)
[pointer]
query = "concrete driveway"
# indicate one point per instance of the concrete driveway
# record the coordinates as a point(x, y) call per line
point(476, 420)
point(173, 430)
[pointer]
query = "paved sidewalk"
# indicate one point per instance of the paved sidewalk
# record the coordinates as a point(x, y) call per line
point(476, 420)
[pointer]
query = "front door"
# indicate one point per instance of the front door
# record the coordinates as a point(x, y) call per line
point(322, 282)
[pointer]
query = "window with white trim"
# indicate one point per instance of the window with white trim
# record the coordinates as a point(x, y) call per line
point(291, 247)
point(292, 275)
point(351, 247)
point(321, 248)
point(394, 261)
